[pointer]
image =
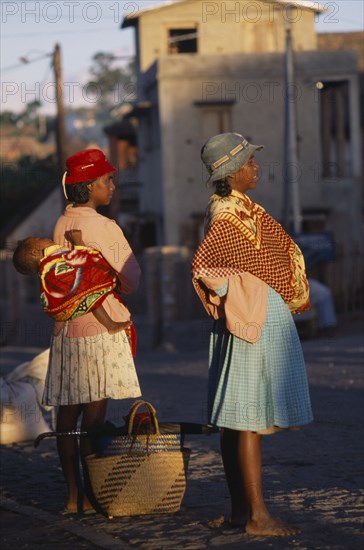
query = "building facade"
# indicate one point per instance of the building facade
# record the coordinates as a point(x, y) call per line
point(212, 67)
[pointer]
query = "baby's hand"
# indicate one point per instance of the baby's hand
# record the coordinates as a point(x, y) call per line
point(74, 236)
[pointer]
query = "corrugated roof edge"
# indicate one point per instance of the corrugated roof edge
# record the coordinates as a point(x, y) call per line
point(131, 19)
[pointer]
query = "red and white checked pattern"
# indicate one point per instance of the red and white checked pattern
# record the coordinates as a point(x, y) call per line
point(249, 239)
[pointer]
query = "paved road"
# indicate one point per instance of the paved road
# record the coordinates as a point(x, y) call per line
point(313, 477)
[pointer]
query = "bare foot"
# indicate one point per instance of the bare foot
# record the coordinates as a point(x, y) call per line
point(239, 517)
point(234, 523)
point(237, 523)
point(216, 523)
point(72, 500)
point(271, 527)
point(71, 508)
point(87, 507)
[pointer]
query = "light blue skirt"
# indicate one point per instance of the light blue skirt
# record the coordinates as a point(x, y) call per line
point(259, 386)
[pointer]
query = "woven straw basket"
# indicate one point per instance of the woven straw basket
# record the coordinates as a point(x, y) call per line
point(140, 474)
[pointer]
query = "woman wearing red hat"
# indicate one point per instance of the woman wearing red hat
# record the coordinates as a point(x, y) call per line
point(87, 364)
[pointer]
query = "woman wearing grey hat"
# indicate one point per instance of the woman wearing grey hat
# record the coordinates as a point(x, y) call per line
point(250, 276)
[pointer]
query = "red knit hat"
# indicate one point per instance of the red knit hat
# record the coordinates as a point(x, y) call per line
point(87, 165)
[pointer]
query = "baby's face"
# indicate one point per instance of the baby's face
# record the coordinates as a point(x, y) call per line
point(38, 245)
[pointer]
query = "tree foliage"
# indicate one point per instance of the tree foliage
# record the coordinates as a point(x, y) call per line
point(7, 118)
point(27, 116)
point(112, 84)
point(30, 111)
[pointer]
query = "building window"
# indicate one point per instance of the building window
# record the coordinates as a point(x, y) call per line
point(335, 129)
point(182, 40)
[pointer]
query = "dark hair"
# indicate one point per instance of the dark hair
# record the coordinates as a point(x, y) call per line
point(78, 192)
point(222, 187)
point(23, 260)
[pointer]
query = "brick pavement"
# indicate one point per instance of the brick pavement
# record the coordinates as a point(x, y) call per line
point(313, 477)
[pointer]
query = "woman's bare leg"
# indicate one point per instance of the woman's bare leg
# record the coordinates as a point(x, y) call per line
point(247, 474)
point(93, 416)
point(68, 453)
point(229, 452)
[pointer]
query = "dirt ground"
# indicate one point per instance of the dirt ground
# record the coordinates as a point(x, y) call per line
point(313, 477)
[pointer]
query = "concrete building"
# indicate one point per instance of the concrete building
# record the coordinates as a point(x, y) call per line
point(210, 67)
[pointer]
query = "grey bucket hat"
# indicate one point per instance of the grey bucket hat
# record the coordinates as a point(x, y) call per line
point(225, 154)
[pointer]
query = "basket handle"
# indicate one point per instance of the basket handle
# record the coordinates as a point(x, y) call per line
point(134, 408)
point(150, 409)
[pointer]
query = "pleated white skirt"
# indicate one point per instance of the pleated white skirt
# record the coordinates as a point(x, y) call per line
point(91, 368)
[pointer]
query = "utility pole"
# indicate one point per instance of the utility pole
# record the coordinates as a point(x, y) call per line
point(61, 127)
point(292, 211)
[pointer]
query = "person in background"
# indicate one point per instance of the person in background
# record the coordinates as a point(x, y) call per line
point(250, 276)
point(87, 365)
point(321, 299)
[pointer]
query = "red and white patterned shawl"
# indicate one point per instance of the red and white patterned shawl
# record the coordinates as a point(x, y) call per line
point(241, 236)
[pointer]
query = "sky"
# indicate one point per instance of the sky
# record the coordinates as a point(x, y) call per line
point(31, 29)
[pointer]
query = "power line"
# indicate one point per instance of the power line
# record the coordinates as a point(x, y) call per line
point(12, 67)
point(21, 35)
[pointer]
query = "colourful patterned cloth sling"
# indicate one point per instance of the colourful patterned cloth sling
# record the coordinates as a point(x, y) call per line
point(241, 236)
point(74, 282)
